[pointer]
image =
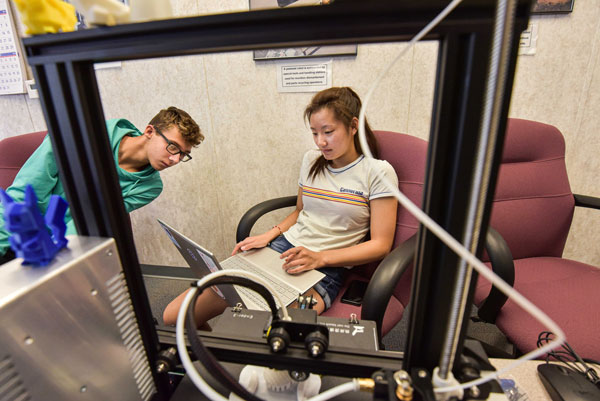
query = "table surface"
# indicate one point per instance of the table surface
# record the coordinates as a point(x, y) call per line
point(526, 378)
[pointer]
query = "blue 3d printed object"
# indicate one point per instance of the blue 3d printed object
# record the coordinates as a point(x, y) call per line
point(34, 238)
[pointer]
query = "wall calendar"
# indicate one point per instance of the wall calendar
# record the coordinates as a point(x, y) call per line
point(12, 71)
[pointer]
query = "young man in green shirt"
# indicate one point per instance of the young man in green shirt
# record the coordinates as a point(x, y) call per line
point(139, 156)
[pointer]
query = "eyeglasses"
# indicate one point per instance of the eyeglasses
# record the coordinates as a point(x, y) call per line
point(173, 148)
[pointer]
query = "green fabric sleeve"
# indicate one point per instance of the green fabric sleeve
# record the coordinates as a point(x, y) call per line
point(40, 170)
point(143, 193)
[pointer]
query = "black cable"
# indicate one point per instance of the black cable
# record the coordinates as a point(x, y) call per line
point(209, 361)
point(244, 282)
point(569, 357)
point(248, 283)
point(205, 357)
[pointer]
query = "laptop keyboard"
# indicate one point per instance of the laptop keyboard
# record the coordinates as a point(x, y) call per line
point(248, 294)
point(287, 293)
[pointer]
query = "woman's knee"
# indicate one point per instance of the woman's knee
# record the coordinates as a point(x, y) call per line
point(172, 309)
point(208, 305)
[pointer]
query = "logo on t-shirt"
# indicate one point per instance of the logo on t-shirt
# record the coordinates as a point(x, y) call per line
point(351, 191)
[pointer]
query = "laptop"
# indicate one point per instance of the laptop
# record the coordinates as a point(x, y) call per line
point(263, 262)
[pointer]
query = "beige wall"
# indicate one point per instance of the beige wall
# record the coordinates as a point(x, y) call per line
point(256, 136)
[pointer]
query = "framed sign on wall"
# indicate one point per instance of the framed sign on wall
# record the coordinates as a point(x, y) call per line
point(298, 52)
point(552, 6)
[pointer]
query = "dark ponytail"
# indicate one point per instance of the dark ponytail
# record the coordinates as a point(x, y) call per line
point(345, 105)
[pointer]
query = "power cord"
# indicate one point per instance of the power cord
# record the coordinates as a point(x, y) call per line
point(567, 355)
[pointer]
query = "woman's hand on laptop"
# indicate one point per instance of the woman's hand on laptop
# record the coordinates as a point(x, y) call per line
point(257, 241)
point(301, 259)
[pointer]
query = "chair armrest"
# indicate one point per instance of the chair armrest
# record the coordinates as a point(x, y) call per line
point(503, 265)
point(587, 201)
point(168, 272)
point(384, 281)
point(255, 212)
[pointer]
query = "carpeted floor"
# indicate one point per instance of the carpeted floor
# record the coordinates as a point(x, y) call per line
point(162, 291)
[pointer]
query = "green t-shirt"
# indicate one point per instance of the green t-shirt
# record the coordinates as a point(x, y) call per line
point(40, 170)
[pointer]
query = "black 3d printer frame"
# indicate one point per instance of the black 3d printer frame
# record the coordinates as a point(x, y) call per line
point(64, 72)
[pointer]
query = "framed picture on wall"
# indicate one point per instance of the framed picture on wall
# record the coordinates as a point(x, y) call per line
point(552, 6)
point(298, 52)
point(81, 23)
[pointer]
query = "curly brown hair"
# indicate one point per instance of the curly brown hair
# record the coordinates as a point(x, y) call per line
point(173, 116)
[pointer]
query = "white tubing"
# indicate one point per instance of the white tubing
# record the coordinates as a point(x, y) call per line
point(189, 367)
point(337, 390)
point(452, 243)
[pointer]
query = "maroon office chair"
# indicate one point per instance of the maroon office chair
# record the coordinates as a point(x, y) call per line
point(14, 152)
point(384, 301)
point(532, 210)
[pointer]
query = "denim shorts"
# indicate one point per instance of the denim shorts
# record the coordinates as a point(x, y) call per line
point(329, 286)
